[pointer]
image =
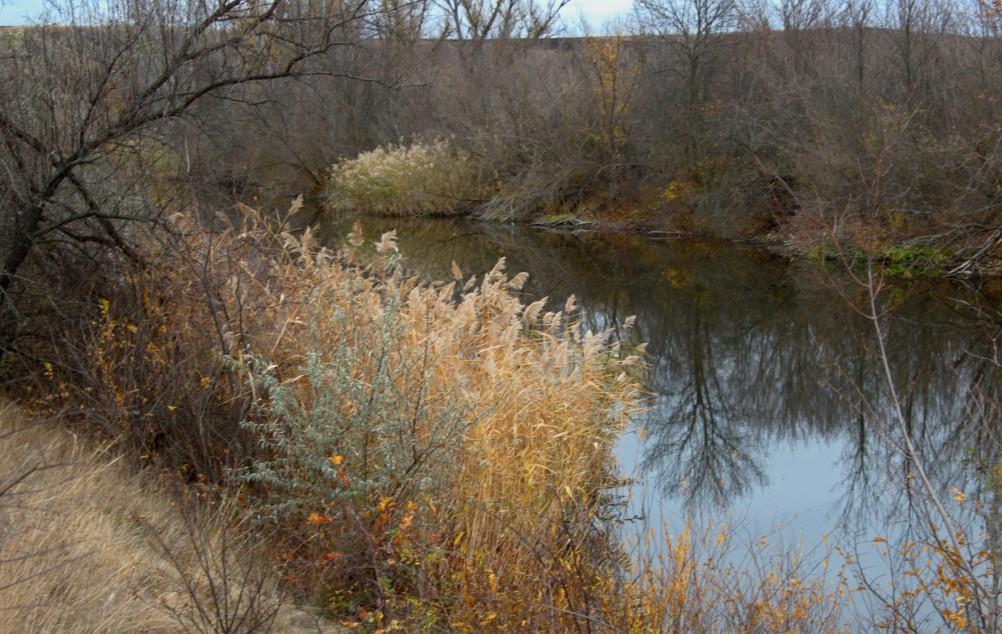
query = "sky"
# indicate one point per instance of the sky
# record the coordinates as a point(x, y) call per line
point(597, 12)
point(13, 11)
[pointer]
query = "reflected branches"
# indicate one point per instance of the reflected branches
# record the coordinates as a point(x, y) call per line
point(700, 444)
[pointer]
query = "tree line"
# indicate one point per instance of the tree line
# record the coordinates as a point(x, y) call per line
point(846, 125)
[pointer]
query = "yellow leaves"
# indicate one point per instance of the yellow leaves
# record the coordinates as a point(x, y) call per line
point(679, 190)
point(616, 75)
point(318, 519)
point(489, 619)
point(336, 460)
point(956, 617)
point(406, 523)
point(958, 495)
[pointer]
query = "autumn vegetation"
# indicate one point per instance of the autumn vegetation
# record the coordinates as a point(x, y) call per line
point(219, 425)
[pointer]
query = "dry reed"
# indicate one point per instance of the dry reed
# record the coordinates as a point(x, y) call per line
point(426, 455)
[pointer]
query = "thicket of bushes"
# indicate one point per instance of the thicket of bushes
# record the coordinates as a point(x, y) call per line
point(394, 436)
point(809, 123)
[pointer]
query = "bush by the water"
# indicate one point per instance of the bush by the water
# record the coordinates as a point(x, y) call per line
point(440, 449)
point(421, 179)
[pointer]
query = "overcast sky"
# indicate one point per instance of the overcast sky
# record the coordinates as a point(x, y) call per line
point(13, 11)
point(597, 12)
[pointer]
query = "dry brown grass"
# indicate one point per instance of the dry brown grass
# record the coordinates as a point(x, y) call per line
point(86, 546)
point(71, 557)
point(439, 452)
point(528, 539)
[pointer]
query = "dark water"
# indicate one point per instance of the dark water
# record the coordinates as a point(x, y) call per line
point(768, 402)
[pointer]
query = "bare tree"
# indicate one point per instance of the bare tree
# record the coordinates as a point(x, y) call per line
point(97, 87)
point(857, 17)
point(916, 26)
point(480, 20)
point(691, 29)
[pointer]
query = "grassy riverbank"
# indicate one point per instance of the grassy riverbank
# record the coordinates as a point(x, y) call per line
point(87, 545)
point(320, 438)
point(440, 179)
point(386, 453)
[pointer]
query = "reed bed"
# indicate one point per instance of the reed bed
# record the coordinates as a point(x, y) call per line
point(426, 178)
point(417, 456)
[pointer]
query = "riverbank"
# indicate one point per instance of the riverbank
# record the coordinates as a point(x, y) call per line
point(443, 179)
point(89, 546)
point(986, 261)
point(440, 453)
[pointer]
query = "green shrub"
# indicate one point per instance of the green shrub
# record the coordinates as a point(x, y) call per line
point(354, 426)
point(913, 261)
point(421, 179)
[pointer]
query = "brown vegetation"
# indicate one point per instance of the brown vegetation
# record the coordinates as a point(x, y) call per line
point(411, 455)
point(87, 546)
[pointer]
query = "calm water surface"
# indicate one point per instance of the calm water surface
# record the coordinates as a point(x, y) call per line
point(760, 370)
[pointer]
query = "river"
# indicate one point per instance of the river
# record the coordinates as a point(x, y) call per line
point(768, 403)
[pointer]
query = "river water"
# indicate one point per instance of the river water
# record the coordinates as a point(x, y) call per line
point(768, 403)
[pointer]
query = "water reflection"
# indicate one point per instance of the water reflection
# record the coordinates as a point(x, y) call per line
point(749, 354)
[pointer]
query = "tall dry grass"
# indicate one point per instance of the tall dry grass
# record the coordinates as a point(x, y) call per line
point(426, 178)
point(442, 447)
point(529, 532)
point(419, 455)
point(711, 577)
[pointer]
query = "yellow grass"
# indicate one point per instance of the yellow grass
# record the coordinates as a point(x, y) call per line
point(71, 559)
point(77, 552)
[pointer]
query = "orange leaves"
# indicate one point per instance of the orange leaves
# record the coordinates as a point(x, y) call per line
point(330, 557)
point(318, 519)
